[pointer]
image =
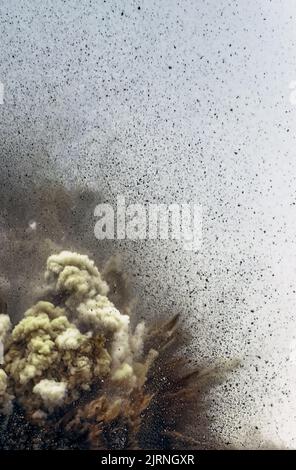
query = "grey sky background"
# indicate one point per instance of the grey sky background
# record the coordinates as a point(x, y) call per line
point(177, 102)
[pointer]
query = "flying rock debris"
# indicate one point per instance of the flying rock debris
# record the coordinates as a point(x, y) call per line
point(76, 370)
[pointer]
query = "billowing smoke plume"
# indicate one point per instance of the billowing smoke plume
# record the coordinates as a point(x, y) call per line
point(62, 347)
